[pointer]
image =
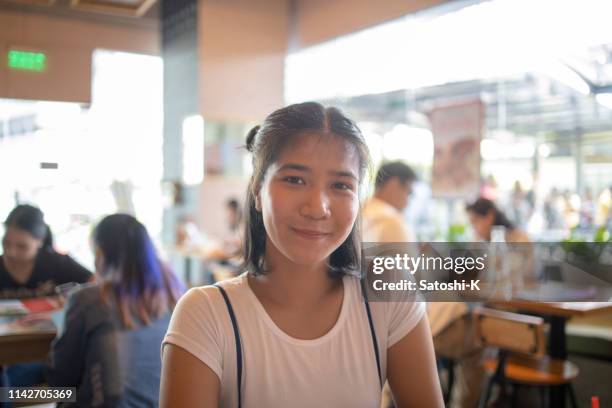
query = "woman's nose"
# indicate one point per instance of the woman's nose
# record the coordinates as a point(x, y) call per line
point(316, 205)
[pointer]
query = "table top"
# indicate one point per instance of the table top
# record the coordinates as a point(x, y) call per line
point(552, 298)
point(562, 309)
point(25, 338)
point(17, 328)
point(26, 329)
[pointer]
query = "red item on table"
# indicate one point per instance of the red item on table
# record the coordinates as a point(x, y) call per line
point(38, 305)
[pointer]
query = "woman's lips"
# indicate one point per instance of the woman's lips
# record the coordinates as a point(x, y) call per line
point(310, 234)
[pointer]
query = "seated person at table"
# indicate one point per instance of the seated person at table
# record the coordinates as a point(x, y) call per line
point(450, 322)
point(233, 242)
point(29, 267)
point(113, 330)
point(484, 215)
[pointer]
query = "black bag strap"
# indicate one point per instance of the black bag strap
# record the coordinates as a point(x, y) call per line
point(372, 331)
point(230, 309)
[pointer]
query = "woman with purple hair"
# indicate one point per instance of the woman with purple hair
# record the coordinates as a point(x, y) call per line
point(109, 349)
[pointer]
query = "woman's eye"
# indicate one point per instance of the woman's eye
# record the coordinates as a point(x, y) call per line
point(294, 180)
point(343, 186)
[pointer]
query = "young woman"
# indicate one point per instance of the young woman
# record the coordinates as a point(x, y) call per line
point(484, 215)
point(29, 267)
point(109, 348)
point(299, 333)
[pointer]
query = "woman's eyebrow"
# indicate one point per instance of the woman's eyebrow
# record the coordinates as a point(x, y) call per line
point(348, 174)
point(294, 166)
point(301, 167)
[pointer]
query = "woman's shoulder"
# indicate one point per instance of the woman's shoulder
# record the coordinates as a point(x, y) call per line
point(91, 305)
point(87, 295)
point(53, 256)
point(62, 267)
point(210, 296)
point(199, 322)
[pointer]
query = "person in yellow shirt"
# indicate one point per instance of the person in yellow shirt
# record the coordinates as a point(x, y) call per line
point(382, 213)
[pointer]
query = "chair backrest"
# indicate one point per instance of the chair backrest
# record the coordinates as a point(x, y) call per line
point(510, 331)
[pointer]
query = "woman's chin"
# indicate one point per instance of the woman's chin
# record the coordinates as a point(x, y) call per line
point(312, 259)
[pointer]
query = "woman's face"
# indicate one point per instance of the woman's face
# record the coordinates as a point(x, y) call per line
point(482, 224)
point(309, 198)
point(19, 246)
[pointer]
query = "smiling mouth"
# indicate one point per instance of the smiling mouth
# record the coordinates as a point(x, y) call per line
point(310, 234)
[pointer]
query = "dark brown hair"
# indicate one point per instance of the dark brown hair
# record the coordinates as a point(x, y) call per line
point(141, 283)
point(31, 219)
point(397, 169)
point(483, 206)
point(266, 142)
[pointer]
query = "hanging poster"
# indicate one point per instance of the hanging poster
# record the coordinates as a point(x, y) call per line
point(457, 130)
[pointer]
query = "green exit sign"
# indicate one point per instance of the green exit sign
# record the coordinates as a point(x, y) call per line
point(27, 60)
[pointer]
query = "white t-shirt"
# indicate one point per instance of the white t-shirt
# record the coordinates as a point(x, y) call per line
point(335, 370)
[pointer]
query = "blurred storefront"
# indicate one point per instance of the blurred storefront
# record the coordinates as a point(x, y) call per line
point(543, 73)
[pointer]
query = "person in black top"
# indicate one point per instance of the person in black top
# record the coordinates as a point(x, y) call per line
point(29, 267)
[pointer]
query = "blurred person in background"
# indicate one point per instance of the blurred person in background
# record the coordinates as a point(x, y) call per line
point(109, 348)
point(604, 205)
point(521, 204)
point(587, 210)
point(382, 214)
point(234, 214)
point(224, 257)
point(553, 208)
point(29, 266)
point(571, 209)
point(232, 244)
point(188, 234)
point(488, 188)
point(451, 323)
point(484, 215)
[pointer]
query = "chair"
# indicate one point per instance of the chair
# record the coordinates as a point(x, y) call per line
point(521, 360)
point(447, 364)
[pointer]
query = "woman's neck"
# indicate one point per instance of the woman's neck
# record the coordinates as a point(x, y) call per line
point(287, 283)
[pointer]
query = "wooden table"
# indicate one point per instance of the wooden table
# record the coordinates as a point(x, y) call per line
point(20, 343)
point(557, 314)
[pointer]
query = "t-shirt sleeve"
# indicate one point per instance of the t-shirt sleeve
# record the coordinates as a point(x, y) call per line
point(403, 316)
point(195, 327)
